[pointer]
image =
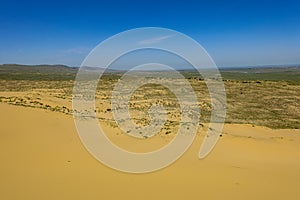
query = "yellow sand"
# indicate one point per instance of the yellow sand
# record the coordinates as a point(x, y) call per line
point(43, 158)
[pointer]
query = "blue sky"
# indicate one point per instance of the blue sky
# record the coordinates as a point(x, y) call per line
point(235, 33)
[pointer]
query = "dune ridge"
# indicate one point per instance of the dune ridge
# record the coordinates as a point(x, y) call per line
point(43, 158)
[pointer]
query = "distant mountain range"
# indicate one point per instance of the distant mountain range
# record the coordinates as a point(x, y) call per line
point(63, 72)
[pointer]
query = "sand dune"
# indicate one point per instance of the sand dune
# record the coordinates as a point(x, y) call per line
point(43, 158)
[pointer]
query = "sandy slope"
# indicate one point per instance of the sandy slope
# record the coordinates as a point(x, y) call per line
point(42, 158)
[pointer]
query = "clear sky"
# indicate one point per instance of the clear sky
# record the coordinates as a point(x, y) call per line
point(235, 33)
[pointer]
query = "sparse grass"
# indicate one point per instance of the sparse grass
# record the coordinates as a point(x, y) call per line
point(267, 98)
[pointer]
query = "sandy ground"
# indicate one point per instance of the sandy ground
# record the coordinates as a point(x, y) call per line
point(43, 158)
